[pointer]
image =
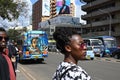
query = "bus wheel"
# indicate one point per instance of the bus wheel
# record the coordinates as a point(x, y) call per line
point(40, 60)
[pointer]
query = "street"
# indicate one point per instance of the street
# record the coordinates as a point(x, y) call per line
point(98, 69)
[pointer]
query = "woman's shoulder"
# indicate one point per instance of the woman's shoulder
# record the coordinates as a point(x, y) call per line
point(76, 72)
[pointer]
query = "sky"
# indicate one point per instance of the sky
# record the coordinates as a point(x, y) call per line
point(21, 21)
point(33, 1)
point(78, 11)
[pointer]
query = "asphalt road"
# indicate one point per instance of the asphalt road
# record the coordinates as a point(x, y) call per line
point(98, 69)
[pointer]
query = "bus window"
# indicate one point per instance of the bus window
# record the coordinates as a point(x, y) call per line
point(110, 43)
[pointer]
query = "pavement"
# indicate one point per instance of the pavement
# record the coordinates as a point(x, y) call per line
point(23, 75)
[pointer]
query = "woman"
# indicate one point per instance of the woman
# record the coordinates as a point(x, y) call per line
point(70, 44)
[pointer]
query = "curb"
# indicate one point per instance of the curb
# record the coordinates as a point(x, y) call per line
point(108, 59)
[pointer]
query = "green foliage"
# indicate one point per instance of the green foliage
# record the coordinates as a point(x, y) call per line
point(11, 10)
point(13, 34)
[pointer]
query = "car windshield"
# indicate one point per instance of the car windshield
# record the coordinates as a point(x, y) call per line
point(96, 42)
point(89, 48)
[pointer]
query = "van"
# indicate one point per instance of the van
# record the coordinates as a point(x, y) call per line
point(90, 53)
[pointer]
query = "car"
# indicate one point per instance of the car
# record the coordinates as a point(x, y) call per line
point(52, 48)
point(97, 50)
point(90, 53)
point(116, 54)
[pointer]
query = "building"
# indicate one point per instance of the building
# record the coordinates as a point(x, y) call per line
point(36, 14)
point(60, 21)
point(44, 10)
point(103, 18)
point(52, 8)
point(72, 9)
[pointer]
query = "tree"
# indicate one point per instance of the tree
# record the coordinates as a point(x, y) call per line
point(12, 33)
point(8, 9)
point(13, 12)
point(11, 9)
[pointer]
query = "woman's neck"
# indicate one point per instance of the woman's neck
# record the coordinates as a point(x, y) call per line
point(70, 59)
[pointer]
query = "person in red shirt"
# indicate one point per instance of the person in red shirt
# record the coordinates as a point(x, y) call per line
point(6, 68)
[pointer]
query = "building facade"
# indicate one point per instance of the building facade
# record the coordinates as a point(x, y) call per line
point(38, 15)
point(52, 8)
point(103, 18)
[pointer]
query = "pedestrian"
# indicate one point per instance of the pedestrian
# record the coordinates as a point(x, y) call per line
point(6, 68)
point(16, 56)
point(12, 53)
point(72, 46)
point(65, 8)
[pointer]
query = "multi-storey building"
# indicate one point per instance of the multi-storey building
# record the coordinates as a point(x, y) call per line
point(36, 14)
point(37, 11)
point(72, 9)
point(103, 18)
point(52, 8)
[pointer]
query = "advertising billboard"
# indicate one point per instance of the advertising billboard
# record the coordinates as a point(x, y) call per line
point(63, 9)
point(45, 7)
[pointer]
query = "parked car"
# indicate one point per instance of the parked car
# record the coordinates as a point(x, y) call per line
point(97, 50)
point(90, 53)
point(116, 54)
point(52, 48)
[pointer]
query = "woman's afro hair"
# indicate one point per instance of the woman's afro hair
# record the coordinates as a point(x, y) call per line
point(62, 37)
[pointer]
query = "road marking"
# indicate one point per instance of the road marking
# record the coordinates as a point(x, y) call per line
point(28, 75)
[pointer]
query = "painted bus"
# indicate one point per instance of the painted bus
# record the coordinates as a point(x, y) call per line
point(34, 45)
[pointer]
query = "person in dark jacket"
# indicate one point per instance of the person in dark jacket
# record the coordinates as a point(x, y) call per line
point(64, 9)
point(12, 52)
point(6, 68)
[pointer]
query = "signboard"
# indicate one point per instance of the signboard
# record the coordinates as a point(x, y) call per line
point(59, 4)
point(45, 7)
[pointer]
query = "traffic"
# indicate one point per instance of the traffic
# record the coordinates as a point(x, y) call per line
point(100, 46)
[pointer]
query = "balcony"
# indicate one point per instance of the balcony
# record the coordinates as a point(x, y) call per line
point(93, 34)
point(97, 13)
point(103, 23)
point(94, 4)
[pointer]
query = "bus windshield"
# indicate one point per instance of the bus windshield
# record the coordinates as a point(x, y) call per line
point(110, 43)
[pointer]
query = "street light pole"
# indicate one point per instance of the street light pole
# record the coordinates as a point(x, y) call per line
point(110, 17)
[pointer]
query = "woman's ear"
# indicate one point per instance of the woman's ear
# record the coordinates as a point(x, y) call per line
point(68, 48)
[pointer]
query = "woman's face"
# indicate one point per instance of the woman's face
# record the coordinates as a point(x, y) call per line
point(34, 42)
point(78, 48)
